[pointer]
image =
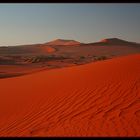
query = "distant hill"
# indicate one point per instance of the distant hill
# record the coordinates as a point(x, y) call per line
point(63, 42)
point(110, 46)
point(114, 41)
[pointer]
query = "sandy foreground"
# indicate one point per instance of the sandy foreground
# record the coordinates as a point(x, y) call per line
point(96, 99)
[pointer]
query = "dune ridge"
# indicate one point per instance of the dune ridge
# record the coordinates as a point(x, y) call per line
point(96, 99)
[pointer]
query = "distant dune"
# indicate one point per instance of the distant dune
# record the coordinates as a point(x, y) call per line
point(114, 41)
point(96, 99)
point(63, 42)
point(113, 46)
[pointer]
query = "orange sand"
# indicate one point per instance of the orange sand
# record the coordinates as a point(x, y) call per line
point(97, 99)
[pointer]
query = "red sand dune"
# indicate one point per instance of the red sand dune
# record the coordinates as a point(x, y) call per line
point(116, 41)
point(63, 42)
point(97, 99)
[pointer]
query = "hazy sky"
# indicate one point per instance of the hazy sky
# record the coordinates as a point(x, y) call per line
point(40, 23)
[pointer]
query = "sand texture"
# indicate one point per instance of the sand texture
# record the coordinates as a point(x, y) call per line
point(96, 99)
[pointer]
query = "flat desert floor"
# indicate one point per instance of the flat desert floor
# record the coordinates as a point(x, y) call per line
point(95, 99)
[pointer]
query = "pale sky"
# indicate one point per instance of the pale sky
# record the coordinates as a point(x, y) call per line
point(40, 23)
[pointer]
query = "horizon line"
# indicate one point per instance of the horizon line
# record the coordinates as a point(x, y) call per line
point(68, 40)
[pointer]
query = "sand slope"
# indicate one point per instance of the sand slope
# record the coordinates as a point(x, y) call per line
point(97, 99)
